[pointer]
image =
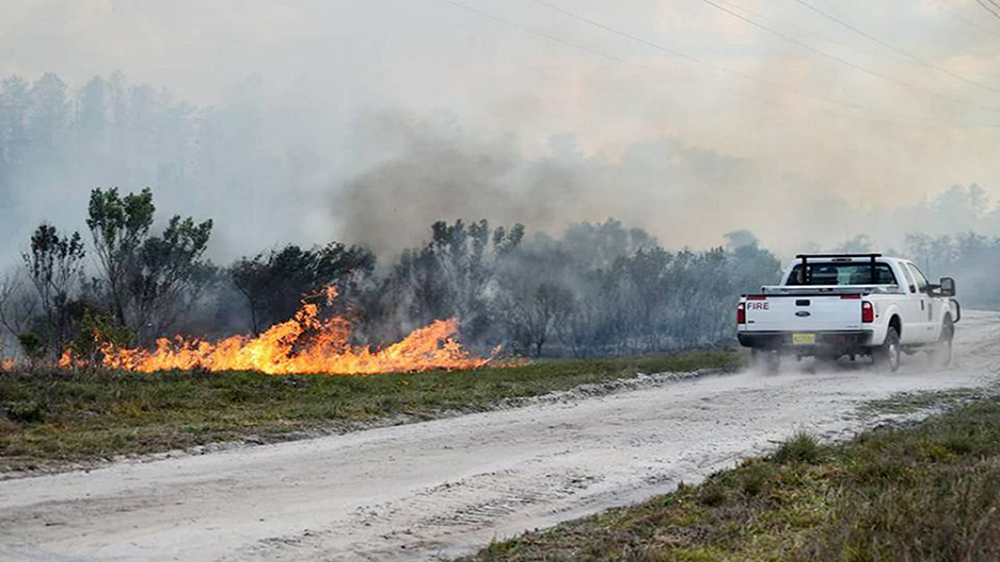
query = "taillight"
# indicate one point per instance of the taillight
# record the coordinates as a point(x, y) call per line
point(867, 312)
point(757, 297)
point(741, 313)
point(850, 297)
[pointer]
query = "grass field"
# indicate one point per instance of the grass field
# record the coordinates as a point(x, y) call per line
point(54, 416)
point(929, 491)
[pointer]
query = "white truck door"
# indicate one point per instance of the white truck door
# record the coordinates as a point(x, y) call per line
point(925, 319)
point(935, 306)
point(913, 309)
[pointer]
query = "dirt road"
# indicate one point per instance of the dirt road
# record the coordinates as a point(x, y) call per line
point(440, 488)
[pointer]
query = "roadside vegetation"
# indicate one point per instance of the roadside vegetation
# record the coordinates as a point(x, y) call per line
point(927, 491)
point(56, 415)
point(599, 290)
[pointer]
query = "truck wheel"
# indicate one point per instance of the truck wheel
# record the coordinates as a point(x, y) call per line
point(941, 354)
point(887, 357)
point(765, 360)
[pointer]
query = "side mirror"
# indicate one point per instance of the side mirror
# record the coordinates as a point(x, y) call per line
point(947, 287)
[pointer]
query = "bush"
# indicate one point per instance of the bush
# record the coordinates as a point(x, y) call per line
point(802, 448)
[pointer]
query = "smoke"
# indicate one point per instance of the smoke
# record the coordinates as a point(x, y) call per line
point(684, 195)
point(367, 123)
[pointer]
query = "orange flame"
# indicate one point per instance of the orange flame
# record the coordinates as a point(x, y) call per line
point(304, 344)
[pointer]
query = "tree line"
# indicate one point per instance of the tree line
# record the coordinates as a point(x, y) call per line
point(598, 289)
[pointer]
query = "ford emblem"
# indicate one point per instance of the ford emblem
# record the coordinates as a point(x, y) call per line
point(802, 313)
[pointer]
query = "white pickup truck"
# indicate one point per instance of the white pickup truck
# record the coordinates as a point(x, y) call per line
point(832, 305)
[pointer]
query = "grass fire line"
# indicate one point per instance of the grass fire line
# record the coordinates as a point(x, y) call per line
point(51, 416)
point(305, 344)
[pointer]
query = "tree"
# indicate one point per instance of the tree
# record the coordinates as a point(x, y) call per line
point(548, 310)
point(599, 245)
point(91, 124)
point(119, 225)
point(166, 274)
point(54, 265)
point(14, 104)
point(468, 257)
point(17, 307)
point(275, 282)
point(740, 238)
point(49, 114)
point(144, 275)
point(860, 244)
point(251, 277)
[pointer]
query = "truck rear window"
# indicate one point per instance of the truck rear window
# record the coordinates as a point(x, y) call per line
point(848, 273)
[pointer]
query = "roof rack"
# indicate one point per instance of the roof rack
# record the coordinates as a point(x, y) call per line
point(811, 256)
point(806, 257)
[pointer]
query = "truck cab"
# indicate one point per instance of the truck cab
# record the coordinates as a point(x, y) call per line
point(834, 305)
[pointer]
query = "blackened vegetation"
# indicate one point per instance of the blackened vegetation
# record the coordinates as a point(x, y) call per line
point(972, 259)
point(601, 289)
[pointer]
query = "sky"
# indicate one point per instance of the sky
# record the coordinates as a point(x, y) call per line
point(690, 118)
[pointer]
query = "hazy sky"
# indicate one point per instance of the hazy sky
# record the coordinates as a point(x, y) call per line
point(753, 130)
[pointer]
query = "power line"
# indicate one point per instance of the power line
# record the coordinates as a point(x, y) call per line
point(991, 8)
point(824, 38)
point(894, 49)
point(564, 42)
point(534, 31)
point(697, 60)
point(843, 61)
point(943, 6)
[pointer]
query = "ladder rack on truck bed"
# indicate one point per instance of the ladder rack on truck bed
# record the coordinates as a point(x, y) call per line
point(834, 257)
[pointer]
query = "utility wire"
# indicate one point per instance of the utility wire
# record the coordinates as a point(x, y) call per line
point(561, 41)
point(943, 6)
point(824, 38)
point(843, 61)
point(605, 55)
point(896, 50)
point(991, 8)
point(697, 60)
point(766, 101)
point(534, 31)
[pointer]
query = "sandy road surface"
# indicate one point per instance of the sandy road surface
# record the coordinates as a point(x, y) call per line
point(443, 487)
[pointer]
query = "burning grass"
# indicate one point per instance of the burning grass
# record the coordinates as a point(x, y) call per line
point(304, 344)
point(58, 415)
point(924, 492)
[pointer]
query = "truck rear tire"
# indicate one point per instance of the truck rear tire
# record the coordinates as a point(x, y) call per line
point(887, 357)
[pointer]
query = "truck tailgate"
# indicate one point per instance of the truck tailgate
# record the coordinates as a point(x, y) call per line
point(805, 313)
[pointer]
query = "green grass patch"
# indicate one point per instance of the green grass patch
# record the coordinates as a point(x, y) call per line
point(55, 415)
point(930, 491)
point(914, 402)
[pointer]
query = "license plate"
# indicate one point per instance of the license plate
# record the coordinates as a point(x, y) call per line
point(803, 339)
